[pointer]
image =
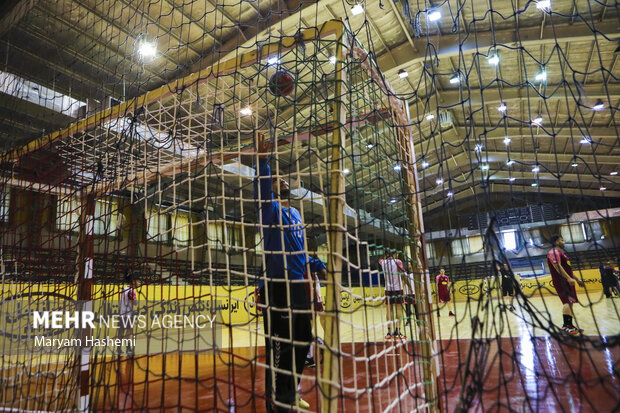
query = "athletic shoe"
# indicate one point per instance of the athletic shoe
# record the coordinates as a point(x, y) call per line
point(571, 330)
point(388, 336)
point(451, 314)
point(302, 403)
point(310, 362)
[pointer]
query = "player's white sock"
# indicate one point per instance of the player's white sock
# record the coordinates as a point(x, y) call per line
point(310, 353)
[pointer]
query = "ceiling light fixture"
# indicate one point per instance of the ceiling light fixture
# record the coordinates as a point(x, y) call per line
point(450, 194)
point(273, 60)
point(478, 147)
point(574, 164)
point(397, 168)
point(332, 60)
point(439, 181)
point(536, 169)
point(370, 146)
point(512, 179)
point(602, 188)
point(247, 111)
point(424, 164)
point(614, 173)
point(534, 184)
point(433, 15)
point(599, 105)
point(542, 76)
point(402, 73)
point(357, 9)
point(493, 60)
point(430, 116)
point(537, 120)
point(502, 108)
point(585, 141)
point(147, 49)
point(455, 80)
point(510, 162)
point(346, 171)
point(507, 140)
point(484, 167)
point(393, 201)
point(543, 5)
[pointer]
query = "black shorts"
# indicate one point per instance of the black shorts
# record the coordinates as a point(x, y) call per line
point(509, 288)
point(394, 297)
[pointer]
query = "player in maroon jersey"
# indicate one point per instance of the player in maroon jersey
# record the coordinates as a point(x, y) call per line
point(564, 282)
point(443, 290)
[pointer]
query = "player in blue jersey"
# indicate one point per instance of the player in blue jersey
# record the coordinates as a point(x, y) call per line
point(285, 289)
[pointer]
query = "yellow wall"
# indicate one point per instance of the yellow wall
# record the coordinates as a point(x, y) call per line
point(237, 303)
point(462, 290)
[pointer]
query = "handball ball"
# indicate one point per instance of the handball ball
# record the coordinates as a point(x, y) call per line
point(281, 83)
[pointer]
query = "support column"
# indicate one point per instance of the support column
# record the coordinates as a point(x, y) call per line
point(84, 281)
point(420, 265)
point(332, 368)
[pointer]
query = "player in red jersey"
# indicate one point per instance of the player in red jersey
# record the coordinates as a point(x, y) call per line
point(564, 282)
point(443, 291)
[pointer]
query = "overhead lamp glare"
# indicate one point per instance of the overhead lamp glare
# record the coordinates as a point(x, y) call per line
point(493, 60)
point(247, 111)
point(434, 15)
point(402, 73)
point(599, 105)
point(541, 76)
point(357, 9)
point(147, 49)
point(543, 5)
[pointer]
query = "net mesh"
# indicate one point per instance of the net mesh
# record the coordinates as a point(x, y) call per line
point(458, 135)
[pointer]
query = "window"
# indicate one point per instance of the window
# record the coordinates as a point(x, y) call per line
point(535, 239)
point(430, 251)
point(5, 201)
point(475, 244)
point(181, 229)
point(509, 238)
point(68, 214)
point(106, 217)
point(258, 243)
point(233, 235)
point(573, 233)
point(215, 233)
point(595, 230)
point(460, 246)
point(157, 225)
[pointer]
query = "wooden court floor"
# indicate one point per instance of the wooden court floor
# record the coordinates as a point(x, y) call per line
point(510, 361)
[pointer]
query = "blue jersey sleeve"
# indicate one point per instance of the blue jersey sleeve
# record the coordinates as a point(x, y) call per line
point(263, 183)
point(316, 265)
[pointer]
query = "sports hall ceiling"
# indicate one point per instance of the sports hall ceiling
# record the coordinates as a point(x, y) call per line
point(87, 50)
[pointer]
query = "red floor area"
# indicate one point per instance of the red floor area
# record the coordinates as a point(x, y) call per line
point(524, 374)
point(491, 375)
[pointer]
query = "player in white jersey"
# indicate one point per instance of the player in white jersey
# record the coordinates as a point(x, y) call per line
point(392, 270)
